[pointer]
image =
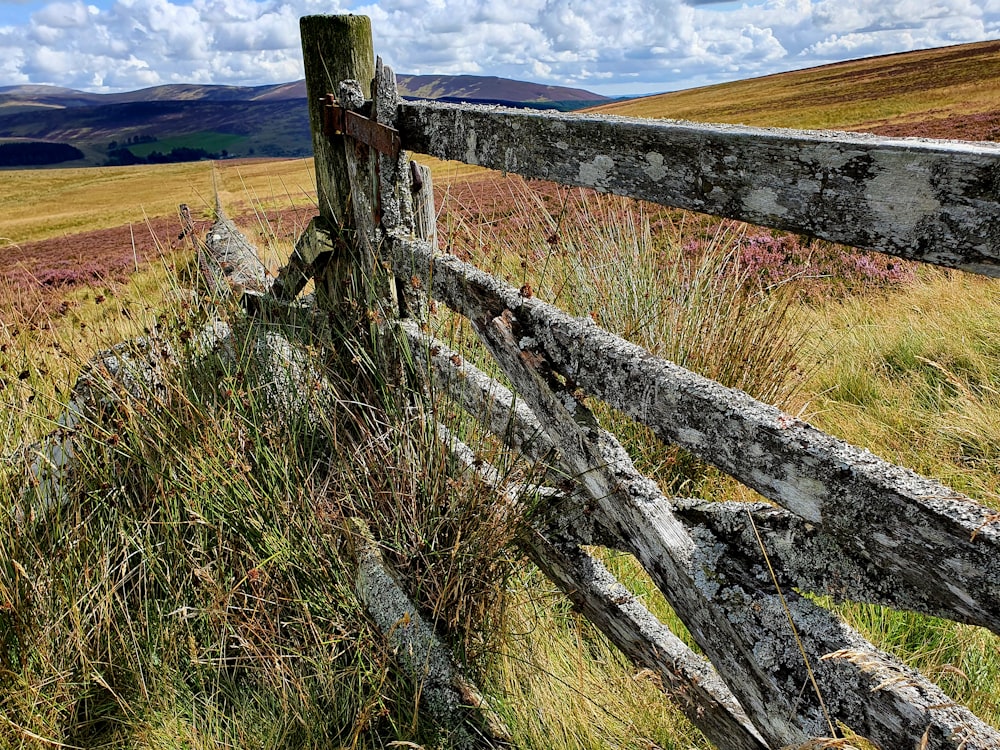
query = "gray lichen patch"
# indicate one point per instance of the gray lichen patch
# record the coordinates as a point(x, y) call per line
point(927, 200)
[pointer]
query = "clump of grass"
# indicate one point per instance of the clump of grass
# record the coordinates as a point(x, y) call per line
point(628, 266)
point(695, 304)
point(915, 377)
point(443, 531)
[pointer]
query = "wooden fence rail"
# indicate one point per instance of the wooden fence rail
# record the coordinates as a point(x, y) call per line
point(933, 201)
point(780, 670)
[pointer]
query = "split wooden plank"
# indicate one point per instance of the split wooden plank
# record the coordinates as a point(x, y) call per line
point(808, 557)
point(939, 544)
point(448, 696)
point(312, 251)
point(395, 193)
point(738, 618)
point(685, 676)
point(424, 214)
point(922, 199)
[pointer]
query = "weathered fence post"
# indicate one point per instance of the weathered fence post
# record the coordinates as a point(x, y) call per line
point(335, 49)
point(424, 214)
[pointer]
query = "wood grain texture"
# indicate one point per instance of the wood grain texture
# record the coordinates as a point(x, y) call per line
point(334, 49)
point(934, 201)
point(922, 533)
point(811, 559)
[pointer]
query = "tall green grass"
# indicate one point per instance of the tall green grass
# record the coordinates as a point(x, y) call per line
point(195, 589)
point(914, 376)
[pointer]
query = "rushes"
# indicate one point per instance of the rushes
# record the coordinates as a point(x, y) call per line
point(194, 591)
point(627, 266)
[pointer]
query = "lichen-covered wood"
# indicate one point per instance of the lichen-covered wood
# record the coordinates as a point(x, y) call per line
point(810, 558)
point(553, 544)
point(229, 262)
point(481, 396)
point(884, 533)
point(925, 536)
point(934, 201)
point(448, 696)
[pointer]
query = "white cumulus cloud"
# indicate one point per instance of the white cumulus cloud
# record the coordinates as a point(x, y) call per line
point(626, 46)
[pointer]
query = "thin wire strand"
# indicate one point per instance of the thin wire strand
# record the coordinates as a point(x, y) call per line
point(791, 623)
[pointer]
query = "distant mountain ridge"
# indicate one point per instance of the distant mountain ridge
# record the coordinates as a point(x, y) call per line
point(222, 121)
point(944, 92)
point(491, 88)
point(472, 88)
point(58, 96)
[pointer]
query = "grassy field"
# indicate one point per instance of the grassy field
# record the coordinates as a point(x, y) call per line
point(210, 141)
point(38, 204)
point(193, 593)
point(952, 92)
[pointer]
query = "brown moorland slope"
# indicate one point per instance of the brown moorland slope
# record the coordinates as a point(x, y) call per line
point(948, 92)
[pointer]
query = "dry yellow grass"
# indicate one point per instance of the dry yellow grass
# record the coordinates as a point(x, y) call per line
point(38, 204)
point(912, 87)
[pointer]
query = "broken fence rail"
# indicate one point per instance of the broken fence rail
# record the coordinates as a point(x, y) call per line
point(847, 524)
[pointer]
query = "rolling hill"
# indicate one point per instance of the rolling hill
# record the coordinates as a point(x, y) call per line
point(250, 121)
point(949, 92)
point(493, 89)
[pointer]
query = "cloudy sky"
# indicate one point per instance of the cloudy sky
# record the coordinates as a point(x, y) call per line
point(612, 47)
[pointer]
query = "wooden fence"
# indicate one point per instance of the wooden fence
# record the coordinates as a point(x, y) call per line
point(777, 669)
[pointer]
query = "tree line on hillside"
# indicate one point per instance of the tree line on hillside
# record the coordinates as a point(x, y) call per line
point(123, 156)
point(36, 153)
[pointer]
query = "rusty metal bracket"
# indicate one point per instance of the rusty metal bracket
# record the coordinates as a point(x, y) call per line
point(338, 120)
